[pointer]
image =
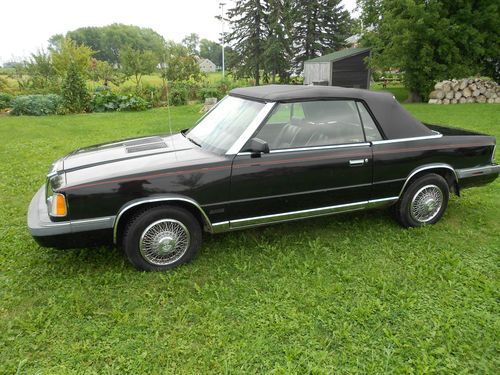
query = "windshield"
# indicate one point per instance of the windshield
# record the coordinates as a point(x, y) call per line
point(219, 129)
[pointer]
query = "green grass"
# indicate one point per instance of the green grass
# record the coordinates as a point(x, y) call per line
point(352, 293)
point(396, 89)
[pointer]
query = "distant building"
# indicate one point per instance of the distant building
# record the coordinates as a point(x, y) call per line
point(353, 40)
point(207, 66)
point(346, 68)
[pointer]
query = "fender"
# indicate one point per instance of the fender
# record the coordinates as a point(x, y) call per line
point(160, 198)
point(426, 167)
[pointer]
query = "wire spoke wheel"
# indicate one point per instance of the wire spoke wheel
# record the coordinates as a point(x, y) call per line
point(164, 242)
point(426, 203)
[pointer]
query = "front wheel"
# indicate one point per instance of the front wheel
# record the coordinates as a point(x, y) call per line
point(423, 202)
point(161, 238)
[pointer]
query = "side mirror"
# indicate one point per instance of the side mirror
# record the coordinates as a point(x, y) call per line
point(257, 146)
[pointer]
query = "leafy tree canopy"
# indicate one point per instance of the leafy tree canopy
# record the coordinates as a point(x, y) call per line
point(211, 50)
point(135, 63)
point(107, 41)
point(192, 43)
point(70, 54)
point(431, 40)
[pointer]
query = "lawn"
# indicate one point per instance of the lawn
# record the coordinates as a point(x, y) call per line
point(352, 293)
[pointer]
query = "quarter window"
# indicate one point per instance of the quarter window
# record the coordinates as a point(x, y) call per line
point(313, 123)
point(371, 130)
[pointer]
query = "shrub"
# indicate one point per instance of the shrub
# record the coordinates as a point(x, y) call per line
point(75, 96)
point(209, 92)
point(152, 94)
point(108, 101)
point(177, 94)
point(5, 100)
point(36, 105)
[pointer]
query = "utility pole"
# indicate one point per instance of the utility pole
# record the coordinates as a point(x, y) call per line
point(221, 6)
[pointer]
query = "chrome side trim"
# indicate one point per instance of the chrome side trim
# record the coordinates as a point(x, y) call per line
point(221, 227)
point(478, 171)
point(382, 201)
point(84, 225)
point(248, 132)
point(426, 167)
point(303, 214)
point(174, 198)
point(314, 148)
point(385, 141)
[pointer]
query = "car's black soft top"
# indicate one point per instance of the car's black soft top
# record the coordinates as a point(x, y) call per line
point(395, 121)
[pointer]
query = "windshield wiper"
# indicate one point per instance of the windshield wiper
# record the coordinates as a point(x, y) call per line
point(192, 140)
point(183, 132)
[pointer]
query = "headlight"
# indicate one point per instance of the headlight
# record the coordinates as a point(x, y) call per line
point(56, 204)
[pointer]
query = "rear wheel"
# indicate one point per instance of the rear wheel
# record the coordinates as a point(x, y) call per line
point(161, 238)
point(423, 202)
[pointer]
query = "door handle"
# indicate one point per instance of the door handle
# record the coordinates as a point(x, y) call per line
point(357, 162)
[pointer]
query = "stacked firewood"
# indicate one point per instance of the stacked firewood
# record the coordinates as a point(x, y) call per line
point(467, 90)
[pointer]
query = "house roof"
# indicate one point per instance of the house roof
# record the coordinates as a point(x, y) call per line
point(339, 55)
point(205, 60)
point(395, 121)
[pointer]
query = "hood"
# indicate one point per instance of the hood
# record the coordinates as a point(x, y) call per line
point(124, 150)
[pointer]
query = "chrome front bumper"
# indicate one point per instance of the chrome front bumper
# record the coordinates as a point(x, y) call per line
point(40, 225)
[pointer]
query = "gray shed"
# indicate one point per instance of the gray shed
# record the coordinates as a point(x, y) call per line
point(345, 68)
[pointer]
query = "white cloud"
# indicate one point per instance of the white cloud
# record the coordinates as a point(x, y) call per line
point(26, 25)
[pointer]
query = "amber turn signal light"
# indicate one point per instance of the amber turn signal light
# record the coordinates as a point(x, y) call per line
point(58, 205)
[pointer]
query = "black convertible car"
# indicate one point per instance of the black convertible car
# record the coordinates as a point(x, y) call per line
point(262, 155)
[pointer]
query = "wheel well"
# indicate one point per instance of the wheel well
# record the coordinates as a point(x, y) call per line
point(123, 219)
point(446, 173)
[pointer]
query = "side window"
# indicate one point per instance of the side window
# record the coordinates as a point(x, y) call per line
point(281, 115)
point(313, 123)
point(371, 131)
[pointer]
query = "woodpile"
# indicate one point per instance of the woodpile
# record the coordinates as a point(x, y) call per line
point(467, 90)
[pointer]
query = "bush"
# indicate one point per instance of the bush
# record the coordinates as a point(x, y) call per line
point(108, 101)
point(36, 105)
point(75, 96)
point(177, 94)
point(5, 100)
point(209, 92)
point(152, 94)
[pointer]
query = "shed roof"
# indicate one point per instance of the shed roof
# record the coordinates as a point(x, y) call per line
point(339, 55)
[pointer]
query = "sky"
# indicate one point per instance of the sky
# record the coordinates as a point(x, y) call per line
point(26, 25)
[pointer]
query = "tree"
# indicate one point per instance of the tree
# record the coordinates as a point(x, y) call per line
point(211, 50)
point(192, 42)
point(55, 42)
point(249, 24)
point(75, 96)
point(107, 41)
point(432, 40)
point(103, 71)
point(135, 63)
point(320, 27)
point(177, 64)
point(278, 46)
point(71, 54)
point(43, 75)
point(371, 12)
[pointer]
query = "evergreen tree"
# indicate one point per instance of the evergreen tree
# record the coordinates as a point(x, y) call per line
point(278, 46)
point(320, 26)
point(249, 23)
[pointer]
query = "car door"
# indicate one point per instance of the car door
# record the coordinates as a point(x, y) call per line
point(318, 159)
